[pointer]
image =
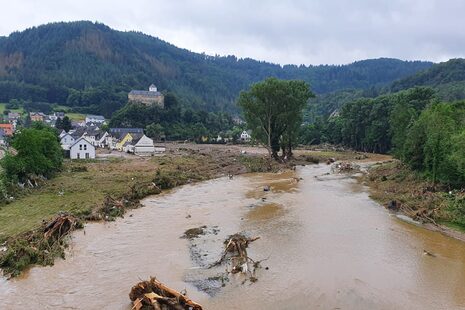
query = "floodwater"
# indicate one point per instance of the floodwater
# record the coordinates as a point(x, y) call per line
point(326, 245)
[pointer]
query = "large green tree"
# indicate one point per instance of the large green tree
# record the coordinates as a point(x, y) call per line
point(273, 110)
point(38, 152)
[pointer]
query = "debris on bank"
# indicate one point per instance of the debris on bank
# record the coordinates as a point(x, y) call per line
point(153, 294)
point(345, 167)
point(39, 246)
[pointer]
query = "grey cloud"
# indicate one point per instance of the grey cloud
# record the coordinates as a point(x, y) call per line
point(295, 31)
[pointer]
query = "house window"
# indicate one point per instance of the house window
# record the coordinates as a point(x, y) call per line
point(78, 155)
point(85, 147)
point(87, 156)
point(80, 147)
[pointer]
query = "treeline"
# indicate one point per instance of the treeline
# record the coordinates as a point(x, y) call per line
point(51, 63)
point(447, 79)
point(174, 122)
point(413, 125)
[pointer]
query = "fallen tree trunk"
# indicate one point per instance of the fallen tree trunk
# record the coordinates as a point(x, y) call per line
point(153, 294)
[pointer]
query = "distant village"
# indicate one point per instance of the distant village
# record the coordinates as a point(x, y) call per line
point(86, 136)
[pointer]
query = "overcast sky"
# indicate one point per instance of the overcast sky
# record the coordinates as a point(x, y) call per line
point(280, 31)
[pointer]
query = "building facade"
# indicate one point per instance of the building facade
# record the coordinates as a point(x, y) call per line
point(150, 97)
point(82, 149)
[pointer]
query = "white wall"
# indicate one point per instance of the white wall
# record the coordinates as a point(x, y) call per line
point(80, 149)
point(66, 141)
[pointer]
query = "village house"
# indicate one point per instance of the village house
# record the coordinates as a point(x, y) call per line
point(124, 145)
point(245, 136)
point(13, 118)
point(96, 119)
point(7, 129)
point(144, 146)
point(66, 141)
point(150, 97)
point(82, 149)
point(115, 137)
point(37, 116)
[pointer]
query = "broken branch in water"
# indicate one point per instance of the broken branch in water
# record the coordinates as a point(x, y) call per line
point(235, 251)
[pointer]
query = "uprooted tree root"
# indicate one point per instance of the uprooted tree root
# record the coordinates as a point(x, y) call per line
point(235, 252)
point(155, 295)
point(40, 246)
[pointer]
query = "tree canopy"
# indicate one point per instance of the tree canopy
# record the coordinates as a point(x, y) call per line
point(273, 110)
point(38, 153)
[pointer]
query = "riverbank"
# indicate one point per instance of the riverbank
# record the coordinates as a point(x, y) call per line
point(405, 192)
point(104, 189)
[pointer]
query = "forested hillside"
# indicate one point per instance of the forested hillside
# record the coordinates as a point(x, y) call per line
point(90, 66)
point(447, 79)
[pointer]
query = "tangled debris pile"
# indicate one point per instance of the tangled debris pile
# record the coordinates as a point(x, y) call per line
point(422, 215)
point(345, 167)
point(61, 226)
point(235, 252)
point(112, 208)
point(155, 295)
point(39, 246)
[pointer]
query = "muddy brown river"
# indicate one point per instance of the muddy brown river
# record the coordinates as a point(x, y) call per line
point(327, 245)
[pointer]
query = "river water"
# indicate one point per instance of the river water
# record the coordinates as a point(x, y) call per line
point(327, 245)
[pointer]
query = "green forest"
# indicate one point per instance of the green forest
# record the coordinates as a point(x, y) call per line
point(90, 67)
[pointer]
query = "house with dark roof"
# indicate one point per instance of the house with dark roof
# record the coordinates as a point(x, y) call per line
point(95, 119)
point(150, 97)
point(117, 137)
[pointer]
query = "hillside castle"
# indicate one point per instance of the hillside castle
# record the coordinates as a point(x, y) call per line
point(150, 97)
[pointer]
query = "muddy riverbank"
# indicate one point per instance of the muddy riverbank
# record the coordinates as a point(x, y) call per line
point(327, 245)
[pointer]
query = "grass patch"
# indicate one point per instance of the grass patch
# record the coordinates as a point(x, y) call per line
point(3, 108)
point(256, 163)
point(76, 116)
point(453, 225)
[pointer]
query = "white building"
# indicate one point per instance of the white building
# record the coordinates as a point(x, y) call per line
point(66, 140)
point(82, 149)
point(143, 146)
point(153, 88)
point(96, 119)
point(245, 136)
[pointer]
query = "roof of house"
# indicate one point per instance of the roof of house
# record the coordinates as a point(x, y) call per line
point(136, 138)
point(145, 93)
point(97, 117)
point(121, 132)
point(14, 115)
point(77, 141)
point(78, 132)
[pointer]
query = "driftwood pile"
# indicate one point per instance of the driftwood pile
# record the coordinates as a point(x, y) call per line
point(155, 295)
point(423, 215)
point(235, 252)
point(59, 227)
